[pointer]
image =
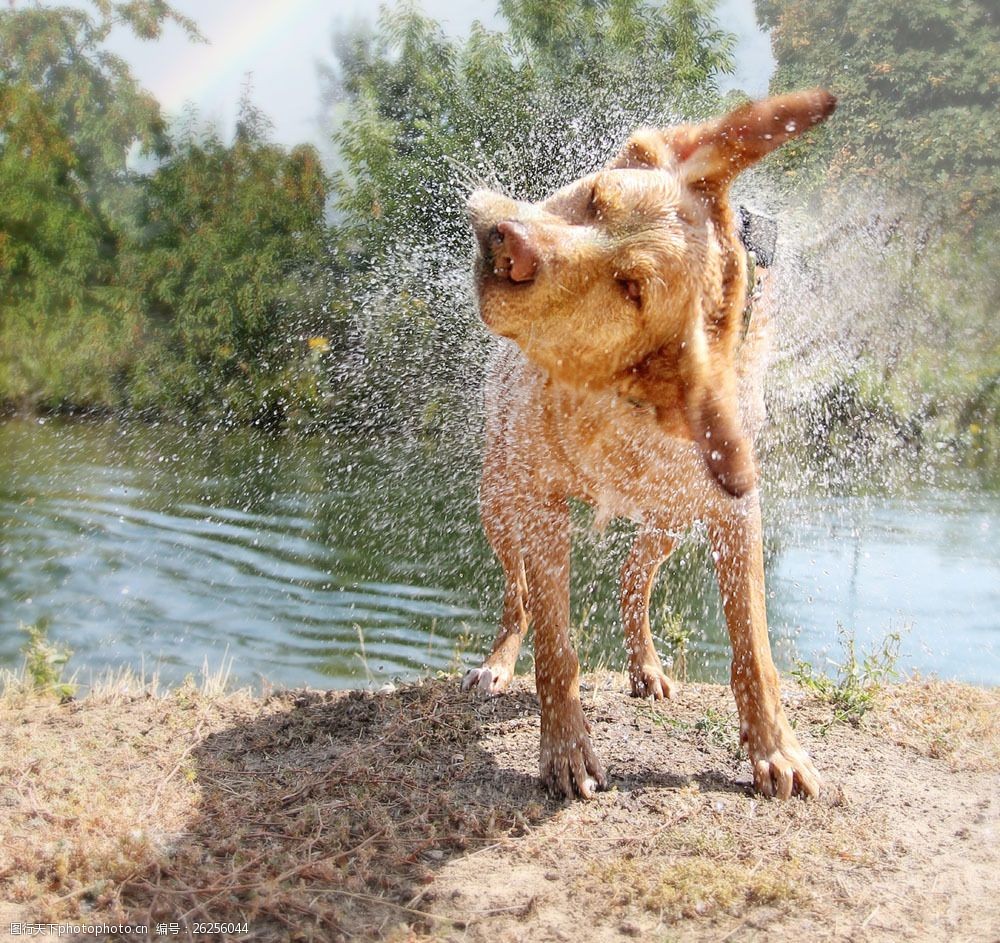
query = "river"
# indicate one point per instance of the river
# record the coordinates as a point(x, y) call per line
point(325, 561)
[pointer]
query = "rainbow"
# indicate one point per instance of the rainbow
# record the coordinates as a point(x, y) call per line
point(204, 67)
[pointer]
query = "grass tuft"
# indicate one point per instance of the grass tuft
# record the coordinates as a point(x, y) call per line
point(699, 885)
point(41, 672)
point(677, 637)
point(858, 683)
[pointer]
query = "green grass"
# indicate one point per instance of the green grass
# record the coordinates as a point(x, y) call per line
point(858, 681)
point(44, 663)
point(677, 637)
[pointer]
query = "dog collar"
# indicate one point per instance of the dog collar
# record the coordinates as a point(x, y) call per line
point(759, 235)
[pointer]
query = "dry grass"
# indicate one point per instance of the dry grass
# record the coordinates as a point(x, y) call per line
point(697, 886)
point(946, 721)
point(93, 800)
point(298, 812)
point(416, 814)
point(22, 687)
point(699, 870)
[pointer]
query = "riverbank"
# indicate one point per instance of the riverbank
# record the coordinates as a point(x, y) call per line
point(415, 814)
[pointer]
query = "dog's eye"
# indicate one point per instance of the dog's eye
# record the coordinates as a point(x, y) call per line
point(632, 289)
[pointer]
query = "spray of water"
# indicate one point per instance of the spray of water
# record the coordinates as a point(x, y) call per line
point(847, 306)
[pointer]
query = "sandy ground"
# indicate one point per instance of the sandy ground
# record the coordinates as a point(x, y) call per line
point(416, 815)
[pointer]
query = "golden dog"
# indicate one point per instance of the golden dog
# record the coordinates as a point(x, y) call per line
point(632, 385)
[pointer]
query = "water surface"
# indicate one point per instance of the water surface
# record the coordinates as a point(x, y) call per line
point(327, 561)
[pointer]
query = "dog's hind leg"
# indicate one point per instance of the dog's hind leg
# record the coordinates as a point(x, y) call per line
point(497, 511)
point(645, 671)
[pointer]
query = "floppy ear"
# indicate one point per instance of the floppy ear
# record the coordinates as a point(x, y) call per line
point(715, 152)
point(712, 413)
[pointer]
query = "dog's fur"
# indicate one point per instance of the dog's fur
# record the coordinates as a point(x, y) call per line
point(631, 384)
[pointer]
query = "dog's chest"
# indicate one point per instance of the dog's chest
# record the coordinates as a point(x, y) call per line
point(618, 459)
point(600, 448)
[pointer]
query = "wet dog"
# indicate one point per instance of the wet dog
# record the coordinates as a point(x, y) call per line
point(632, 382)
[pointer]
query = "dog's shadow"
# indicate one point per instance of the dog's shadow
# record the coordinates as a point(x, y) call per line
point(328, 813)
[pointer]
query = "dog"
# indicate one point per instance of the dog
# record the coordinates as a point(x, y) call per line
point(633, 383)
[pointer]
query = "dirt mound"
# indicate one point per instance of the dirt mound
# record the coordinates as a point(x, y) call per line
point(415, 814)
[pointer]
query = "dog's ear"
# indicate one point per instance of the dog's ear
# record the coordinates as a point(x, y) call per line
point(710, 406)
point(646, 149)
point(695, 396)
point(692, 376)
point(715, 152)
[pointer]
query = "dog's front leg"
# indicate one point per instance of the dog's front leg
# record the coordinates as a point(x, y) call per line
point(499, 509)
point(567, 762)
point(780, 765)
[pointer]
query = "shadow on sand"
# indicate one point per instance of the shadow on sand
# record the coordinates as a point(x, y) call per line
point(327, 815)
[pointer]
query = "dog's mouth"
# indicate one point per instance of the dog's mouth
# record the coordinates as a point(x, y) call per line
point(501, 276)
point(494, 291)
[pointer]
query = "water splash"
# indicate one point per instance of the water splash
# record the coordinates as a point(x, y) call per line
point(846, 290)
point(379, 528)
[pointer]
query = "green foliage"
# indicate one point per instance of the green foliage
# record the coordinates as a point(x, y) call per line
point(44, 662)
point(714, 727)
point(55, 56)
point(916, 133)
point(855, 689)
point(55, 267)
point(719, 730)
point(190, 289)
point(69, 112)
point(918, 86)
point(223, 246)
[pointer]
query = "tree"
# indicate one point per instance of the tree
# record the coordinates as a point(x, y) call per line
point(918, 84)
point(180, 289)
point(69, 114)
point(224, 237)
point(426, 111)
point(911, 183)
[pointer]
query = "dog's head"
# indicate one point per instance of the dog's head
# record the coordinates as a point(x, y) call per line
point(633, 277)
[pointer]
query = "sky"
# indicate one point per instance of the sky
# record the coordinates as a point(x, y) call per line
point(280, 42)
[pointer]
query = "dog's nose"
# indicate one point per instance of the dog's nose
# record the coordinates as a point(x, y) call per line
point(513, 253)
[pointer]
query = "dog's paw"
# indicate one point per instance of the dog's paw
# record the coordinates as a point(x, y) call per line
point(781, 768)
point(650, 680)
point(489, 681)
point(568, 765)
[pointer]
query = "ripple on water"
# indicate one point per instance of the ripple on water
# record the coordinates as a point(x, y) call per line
point(313, 565)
